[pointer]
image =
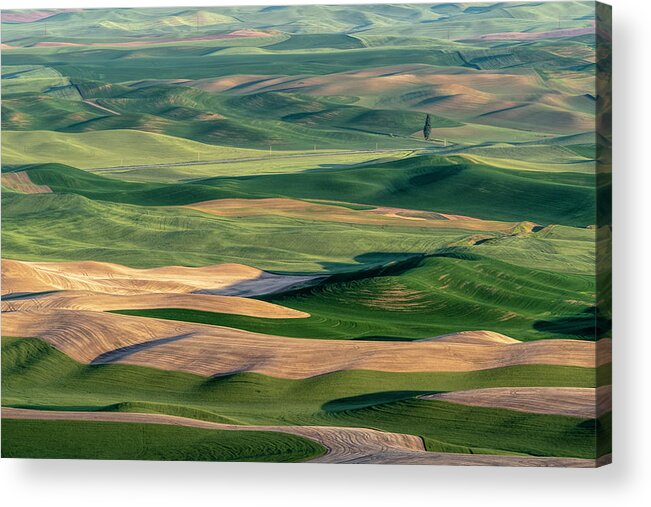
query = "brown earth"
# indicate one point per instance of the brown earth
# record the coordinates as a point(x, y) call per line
point(465, 95)
point(471, 87)
point(20, 182)
point(103, 277)
point(213, 350)
point(398, 217)
point(85, 300)
point(571, 401)
point(476, 337)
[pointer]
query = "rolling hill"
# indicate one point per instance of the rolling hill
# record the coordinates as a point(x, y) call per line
point(228, 233)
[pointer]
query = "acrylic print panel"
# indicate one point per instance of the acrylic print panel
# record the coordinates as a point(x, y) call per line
point(336, 234)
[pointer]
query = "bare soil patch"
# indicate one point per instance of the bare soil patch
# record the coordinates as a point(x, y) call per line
point(214, 350)
point(20, 182)
point(571, 401)
point(399, 217)
point(83, 300)
point(107, 278)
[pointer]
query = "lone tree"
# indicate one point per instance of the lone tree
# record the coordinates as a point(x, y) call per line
point(427, 128)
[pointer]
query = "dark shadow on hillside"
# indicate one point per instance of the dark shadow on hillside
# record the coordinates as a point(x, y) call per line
point(370, 400)
point(484, 240)
point(436, 174)
point(588, 325)
point(215, 381)
point(61, 408)
point(369, 265)
point(382, 158)
point(18, 296)
point(374, 262)
point(590, 424)
point(385, 339)
point(11, 168)
point(456, 252)
point(117, 354)
point(266, 284)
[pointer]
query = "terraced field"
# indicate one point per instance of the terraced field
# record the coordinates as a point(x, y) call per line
point(340, 234)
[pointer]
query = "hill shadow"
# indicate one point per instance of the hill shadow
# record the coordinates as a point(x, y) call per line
point(588, 325)
point(456, 252)
point(369, 265)
point(115, 355)
point(370, 399)
point(374, 264)
point(384, 339)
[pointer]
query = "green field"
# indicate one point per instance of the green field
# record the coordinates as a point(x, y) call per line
point(431, 170)
point(419, 182)
point(99, 440)
point(39, 376)
point(470, 293)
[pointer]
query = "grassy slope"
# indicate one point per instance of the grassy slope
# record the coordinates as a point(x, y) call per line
point(186, 63)
point(101, 440)
point(71, 227)
point(21, 80)
point(38, 376)
point(41, 112)
point(540, 435)
point(370, 129)
point(554, 248)
point(285, 120)
point(38, 373)
point(401, 35)
point(276, 163)
point(109, 148)
point(324, 40)
point(434, 21)
point(445, 185)
point(445, 294)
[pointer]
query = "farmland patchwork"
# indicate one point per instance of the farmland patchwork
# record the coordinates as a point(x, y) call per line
point(340, 234)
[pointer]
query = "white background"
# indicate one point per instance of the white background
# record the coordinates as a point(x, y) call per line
point(626, 482)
